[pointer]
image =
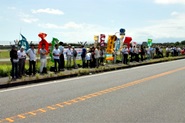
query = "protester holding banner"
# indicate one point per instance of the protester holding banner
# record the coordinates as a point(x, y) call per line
point(22, 58)
point(43, 59)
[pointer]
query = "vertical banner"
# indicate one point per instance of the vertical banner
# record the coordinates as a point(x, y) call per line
point(43, 42)
point(117, 44)
point(127, 41)
point(54, 41)
point(96, 37)
point(149, 42)
point(110, 43)
point(102, 40)
point(23, 42)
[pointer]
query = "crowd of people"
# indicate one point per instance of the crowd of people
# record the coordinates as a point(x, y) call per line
point(91, 57)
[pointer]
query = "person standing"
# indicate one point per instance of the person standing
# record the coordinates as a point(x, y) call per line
point(74, 54)
point(97, 56)
point(43, 59)
point(56, 56)
point(101, 56)
point(62, 61)
point(84, 51)
point(22, 59)
point(69, 55)
point(14, 60)
point(125, 52)
point(31, 53)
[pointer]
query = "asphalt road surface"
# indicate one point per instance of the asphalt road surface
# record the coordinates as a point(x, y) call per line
point(152, 93)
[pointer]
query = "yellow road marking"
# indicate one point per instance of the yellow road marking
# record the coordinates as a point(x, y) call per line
point(52, 108)
point(42, 110)
point(60, 105)
point(21, 116)
point(31, 113)
point(83, 98)
point(9, 120)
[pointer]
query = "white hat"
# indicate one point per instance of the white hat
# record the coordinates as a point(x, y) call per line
point(22, 47)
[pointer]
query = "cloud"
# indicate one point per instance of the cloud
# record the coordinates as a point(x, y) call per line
point(170, 1)
point(69, 25)
point(169, 28)
point(73, 32)
point(27, 18)
point(49, 11)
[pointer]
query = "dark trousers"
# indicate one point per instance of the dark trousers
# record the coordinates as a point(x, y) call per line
point(14, 72)
point(62, 61)
point(83, 62)
point(57, 61)
point(125, 58)
point(131, 57)
point(32, 67)
point(21, 67)
point(88, 63)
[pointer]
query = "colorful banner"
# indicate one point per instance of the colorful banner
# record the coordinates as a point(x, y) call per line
point(117, 44)
point(54, 41)
point(127, 41)
point(23, 43)
point(109, 57)
point(102, 40)
point(149, 42)
point(110, 43)
point(43, 42)
point(96, 38)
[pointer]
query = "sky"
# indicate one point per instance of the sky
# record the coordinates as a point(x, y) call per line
point(72, 21)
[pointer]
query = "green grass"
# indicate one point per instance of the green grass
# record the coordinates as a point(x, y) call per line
point(4, 54)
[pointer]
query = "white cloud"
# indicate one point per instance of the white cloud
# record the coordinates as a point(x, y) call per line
point(73, 32)
point(69, 25)
point(27, 18)
point(161, 29)
point(170, 1)
point(49, 11)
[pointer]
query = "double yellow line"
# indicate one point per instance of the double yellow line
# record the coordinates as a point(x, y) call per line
point(83, 98)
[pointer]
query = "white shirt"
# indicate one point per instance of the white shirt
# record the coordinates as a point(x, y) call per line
point(56, 52)
point(21, 55)
point(125, 50)
point(32, 54)
point(61, 49)
point(97, 54)
point(69, 52)
point(88, 56)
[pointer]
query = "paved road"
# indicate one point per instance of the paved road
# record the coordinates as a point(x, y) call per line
point(153, 93)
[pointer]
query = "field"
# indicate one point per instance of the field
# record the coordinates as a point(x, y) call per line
point(4, 54)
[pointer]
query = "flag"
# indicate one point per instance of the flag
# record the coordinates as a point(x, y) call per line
point(117, 44)
point(43, 42)
point(149, 42)
point(54, 41)
point(24, 43)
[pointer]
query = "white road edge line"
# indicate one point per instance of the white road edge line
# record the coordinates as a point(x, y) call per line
point(76, 78)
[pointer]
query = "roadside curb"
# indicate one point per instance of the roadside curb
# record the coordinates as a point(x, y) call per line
point(83, 72)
